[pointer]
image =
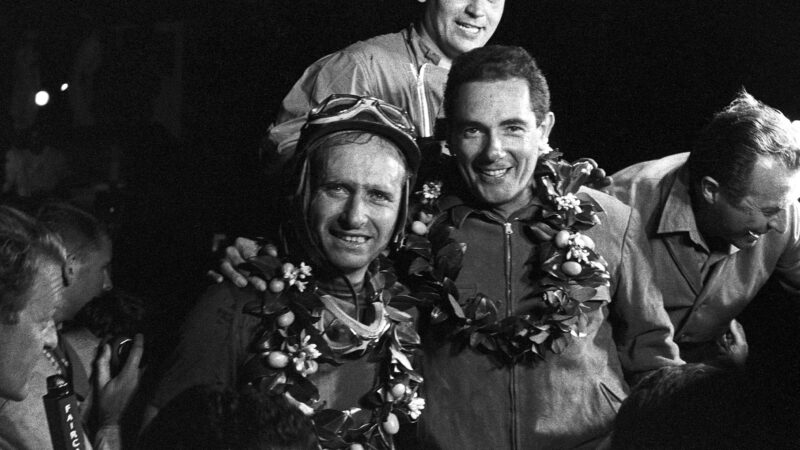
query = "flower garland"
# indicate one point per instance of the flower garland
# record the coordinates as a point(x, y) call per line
point(289, 346)
point(569, 274)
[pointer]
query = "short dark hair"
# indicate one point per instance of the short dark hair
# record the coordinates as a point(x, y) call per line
point(80, 232)
point(497, 63)
point(25, 245)
point(730, 145)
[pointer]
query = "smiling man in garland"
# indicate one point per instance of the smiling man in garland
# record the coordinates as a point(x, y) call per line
point(547, 302)
point(327, 334)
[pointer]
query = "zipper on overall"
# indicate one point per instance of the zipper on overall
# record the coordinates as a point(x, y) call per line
point(508, 231)
point(425, 120)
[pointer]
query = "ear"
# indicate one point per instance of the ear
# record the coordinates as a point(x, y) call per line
point(709, 190)
point(546, 126)
point(71, 269)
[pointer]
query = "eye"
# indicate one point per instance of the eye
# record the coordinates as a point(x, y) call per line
point(335, 190)
point(515, 130)
point(381, 196)
point(470, 132)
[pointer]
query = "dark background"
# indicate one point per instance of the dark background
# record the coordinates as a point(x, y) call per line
point(630, 80)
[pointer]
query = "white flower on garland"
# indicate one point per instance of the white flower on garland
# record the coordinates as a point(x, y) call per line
point(304, 355)
point(432, 190)
point(568, 202)
point(544, 148)
point(415, 406)
point(579, 254)
point(294, 275)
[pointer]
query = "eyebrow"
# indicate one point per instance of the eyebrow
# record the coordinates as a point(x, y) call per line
point(515, 121)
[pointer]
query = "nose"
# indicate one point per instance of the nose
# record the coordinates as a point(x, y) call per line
point(354, 215)
point(476, 8)
point(777, 222)
point(494, 148)
point(50, 337)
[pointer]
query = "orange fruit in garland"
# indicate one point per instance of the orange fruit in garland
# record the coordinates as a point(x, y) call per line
point(571, 268)
point(391, 425)
point(278, 359)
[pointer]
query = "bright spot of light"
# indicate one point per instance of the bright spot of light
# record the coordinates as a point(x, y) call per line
point(64, 87)
point(42, 97)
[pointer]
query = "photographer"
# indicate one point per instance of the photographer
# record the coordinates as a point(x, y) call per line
point(24, 425)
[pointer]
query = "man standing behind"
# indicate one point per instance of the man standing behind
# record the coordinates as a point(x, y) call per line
point(407, 69)
point(721, 220)
point(498, 110)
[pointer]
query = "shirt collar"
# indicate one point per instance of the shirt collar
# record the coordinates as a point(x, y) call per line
point(677, 215)
point(421, 46)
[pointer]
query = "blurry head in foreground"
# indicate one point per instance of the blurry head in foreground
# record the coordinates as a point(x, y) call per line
point(31, 282)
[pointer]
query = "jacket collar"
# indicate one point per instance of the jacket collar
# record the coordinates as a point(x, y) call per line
point(459, 208)
point(422, 48)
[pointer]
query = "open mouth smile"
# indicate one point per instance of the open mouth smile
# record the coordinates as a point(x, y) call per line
point(353, 239)
point(493, 173)
point(469, 29)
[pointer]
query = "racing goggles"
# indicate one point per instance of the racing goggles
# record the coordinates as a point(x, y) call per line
point(343, 112)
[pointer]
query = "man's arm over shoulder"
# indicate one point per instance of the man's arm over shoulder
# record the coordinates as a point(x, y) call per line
point(640, 184)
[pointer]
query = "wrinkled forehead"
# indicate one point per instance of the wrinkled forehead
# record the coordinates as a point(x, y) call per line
point(356, 146)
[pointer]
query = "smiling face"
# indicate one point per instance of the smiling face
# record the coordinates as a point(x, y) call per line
point(458, 26)
point(495, 137)
point(761, 210)
point(24, 340)
point(355, 202)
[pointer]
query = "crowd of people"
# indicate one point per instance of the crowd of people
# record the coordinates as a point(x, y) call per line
point(441, 278)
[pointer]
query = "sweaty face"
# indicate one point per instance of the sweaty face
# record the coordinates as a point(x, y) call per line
point(24, 340)
point(458, 26)
point(495, 137)
point(91, 277)
point(355, 203)
point(763, 209)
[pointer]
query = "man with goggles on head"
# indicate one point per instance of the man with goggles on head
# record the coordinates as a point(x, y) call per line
point(327, 322)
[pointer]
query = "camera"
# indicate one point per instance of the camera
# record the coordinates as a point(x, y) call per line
point(120, 350)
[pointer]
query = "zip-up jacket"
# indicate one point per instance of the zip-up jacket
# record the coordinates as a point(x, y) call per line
point(569, 400)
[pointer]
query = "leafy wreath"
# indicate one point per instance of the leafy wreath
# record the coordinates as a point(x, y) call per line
point(569, 277)
point(289, 346)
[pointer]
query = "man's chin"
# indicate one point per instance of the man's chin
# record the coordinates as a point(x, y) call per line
point(350, 263)
point(745, 242)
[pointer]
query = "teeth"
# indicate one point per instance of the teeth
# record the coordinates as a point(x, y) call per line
point(354, 239)
point(494, 173)
point(469, 28)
